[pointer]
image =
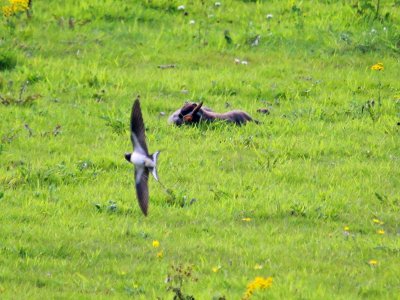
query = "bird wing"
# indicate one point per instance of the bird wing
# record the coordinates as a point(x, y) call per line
point(138, 137)
point(142, 189)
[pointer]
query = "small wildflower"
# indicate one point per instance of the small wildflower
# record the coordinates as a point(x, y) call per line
point(373, 31)
point(237, 61)
point(156, 244)
point(15, 7)
point(246, 219)
point(256, 40)
point(160, 254)
point(258, 267)
point(346, 228)
point(217, 4)
point(181, 7)
point(7, 11)
point(372, 262)
point(380, 231)
point(216, 269)
point(257, 283)
point(245, 62)
point(377, 67)
point(269, 16)
point(192, 22)
point(377, 221)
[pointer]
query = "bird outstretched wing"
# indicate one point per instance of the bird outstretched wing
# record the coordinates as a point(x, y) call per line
point(138, 136)
point(142, 189)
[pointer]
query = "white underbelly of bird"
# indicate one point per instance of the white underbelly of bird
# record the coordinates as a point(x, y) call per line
point(139, 159)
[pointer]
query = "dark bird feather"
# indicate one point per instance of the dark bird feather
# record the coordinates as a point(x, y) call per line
point(137, 127)
point(142, 189)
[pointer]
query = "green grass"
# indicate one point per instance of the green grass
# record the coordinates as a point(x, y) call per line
point(325, 158)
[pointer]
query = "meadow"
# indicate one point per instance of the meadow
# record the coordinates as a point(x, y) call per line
point(309, 199)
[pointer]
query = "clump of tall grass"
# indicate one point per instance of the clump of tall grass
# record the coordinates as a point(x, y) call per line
point(8, 60)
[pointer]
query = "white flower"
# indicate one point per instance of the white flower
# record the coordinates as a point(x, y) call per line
point(192, 22)
point(270, 16)
point(237, 61)
point(217, 4)
point(384, 29)
point(373, 31)
point(181, 7)
point(244, 62)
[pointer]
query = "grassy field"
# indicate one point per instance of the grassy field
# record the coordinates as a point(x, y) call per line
point(310, 198)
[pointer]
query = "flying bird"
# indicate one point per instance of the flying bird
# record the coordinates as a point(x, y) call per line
point(144, 162)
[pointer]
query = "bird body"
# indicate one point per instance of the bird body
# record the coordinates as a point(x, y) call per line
point(143, 161)
point(140, 160)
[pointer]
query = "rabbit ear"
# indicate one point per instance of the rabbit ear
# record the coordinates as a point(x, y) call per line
point(197, 108)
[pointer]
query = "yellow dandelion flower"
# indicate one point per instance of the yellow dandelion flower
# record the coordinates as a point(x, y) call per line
point(377, 221)
point(263, 283)
point(20, 4)
point(380, 231)
point(258, 267)
point(346, 228)
point(15, 6)
point(216, 269)
point(377, 67)
point(257, 283)
point(160, 254)
point(156, 244)
point(7, 11)
point(372, 262)
point(246, 219)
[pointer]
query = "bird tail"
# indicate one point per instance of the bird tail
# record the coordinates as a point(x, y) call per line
point(153, 170)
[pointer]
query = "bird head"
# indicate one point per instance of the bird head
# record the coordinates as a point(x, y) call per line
point(128, 156)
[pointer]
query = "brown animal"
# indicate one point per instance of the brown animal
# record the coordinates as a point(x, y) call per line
point(193, 113)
